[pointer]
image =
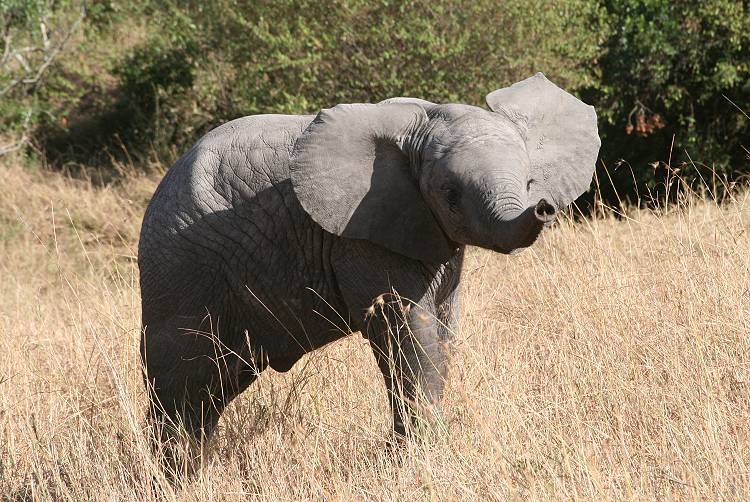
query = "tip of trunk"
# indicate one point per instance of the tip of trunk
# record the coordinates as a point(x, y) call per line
point(544, 211)
point(521, 232)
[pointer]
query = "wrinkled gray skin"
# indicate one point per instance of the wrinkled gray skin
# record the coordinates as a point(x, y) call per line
point(275, 235)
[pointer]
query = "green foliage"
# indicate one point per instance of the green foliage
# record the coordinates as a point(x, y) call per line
point(153, 69)
point(292, 56)
point(21, 14)
point(154, 79)
point(668, 73)
point(33, 33)
point(146, 79)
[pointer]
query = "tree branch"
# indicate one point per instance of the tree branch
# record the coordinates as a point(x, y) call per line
point(29, 76)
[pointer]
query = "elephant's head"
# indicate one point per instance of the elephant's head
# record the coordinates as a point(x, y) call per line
point(420, 178)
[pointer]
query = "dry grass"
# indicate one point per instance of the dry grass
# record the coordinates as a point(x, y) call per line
point(610, 361)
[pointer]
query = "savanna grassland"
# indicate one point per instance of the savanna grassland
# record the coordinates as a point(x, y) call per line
point(610, 361)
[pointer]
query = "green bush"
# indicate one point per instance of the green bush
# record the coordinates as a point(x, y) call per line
point(292, 56)
point(154, 81)
point(238, 57)
point(144, 80)
point(667, 74)
point(202, 63)
point(32, 35)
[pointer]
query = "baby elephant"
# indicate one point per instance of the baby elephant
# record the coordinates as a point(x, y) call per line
point(277, 234)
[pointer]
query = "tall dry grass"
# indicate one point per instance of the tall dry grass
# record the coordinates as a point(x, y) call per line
point(610, 361)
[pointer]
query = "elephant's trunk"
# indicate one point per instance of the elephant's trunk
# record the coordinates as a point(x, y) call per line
point(518, 229)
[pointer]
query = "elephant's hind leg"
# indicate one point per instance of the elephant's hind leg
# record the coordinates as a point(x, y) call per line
point(192, 374)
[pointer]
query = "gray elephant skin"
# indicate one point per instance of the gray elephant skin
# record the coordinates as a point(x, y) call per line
point(276, 235)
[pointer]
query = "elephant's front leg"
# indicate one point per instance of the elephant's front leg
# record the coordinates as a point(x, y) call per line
point(412, 355)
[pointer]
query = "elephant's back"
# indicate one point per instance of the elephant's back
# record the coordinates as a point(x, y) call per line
point(235, 159)
point(231, 163)
point(256, 132)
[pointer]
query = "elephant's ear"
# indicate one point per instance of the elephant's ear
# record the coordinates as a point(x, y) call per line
point(351, 172)
point(560, 132)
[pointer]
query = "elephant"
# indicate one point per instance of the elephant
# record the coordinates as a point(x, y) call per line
point(275, 235)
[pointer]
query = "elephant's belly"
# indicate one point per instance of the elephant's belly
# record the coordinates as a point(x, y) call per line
point(287, 320)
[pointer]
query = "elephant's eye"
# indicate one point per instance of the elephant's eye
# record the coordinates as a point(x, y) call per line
point(452, 197)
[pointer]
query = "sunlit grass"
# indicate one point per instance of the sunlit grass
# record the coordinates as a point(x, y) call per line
point(608, 361)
